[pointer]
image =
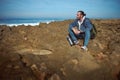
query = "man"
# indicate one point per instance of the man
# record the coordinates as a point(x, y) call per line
point(80, 28)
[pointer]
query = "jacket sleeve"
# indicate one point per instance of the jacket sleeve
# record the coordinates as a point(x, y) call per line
point(74, 24)
point(88, 24)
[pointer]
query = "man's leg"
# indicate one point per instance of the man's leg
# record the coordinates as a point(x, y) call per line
point(87, 37)
point(74, 38)
point(81, 36)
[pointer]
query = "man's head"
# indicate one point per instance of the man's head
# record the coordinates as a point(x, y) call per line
point(80, 14)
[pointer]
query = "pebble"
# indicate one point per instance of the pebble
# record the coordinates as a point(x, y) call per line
point(9, 66)
point(54, 77)
point(75, 61)
point(63, 71)
point(16, 67)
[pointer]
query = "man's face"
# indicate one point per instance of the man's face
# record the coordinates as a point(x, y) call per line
point(78, 15)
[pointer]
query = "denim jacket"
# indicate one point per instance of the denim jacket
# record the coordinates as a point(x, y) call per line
point(86, 25)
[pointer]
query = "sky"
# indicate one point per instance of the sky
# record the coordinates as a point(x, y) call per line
point(59, 8)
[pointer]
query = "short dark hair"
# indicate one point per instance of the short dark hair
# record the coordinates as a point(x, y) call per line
point(82, 13)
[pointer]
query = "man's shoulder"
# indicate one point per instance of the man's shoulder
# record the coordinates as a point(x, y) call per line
point(75, 21)
point(87, 20)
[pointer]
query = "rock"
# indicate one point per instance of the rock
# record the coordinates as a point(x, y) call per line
point(35, 51)
point(115, 59)
point(16, 67)
point(14, 57)
point(42, 52)
point(75, 61)
point(9, 66)
point(26, 61)
point(101, 56)
point(54, 77)
point(39, 75)
point(25, 38)
point(42, 25)
point(43, 67)
point(115, 62)
point(63, 71)
point(100, 46)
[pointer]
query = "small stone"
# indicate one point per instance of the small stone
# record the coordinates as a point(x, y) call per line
point(75, 61)
point(26, 61)
point(16, 67)
point(115, 62)
point(40, 75)
point(43, 67)
point(25, 38)
point(55, 77)
point(100, 46)
point(63, 71)
point(13, 59)
point(34, 67)
point(117, 55)
point(9, 66)
point(101, 56)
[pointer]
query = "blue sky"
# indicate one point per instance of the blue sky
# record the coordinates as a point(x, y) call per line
point(59, 8)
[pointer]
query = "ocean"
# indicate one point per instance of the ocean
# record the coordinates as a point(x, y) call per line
point(27, 21)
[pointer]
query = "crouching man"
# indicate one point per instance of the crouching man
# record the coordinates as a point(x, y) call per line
point(80, 28)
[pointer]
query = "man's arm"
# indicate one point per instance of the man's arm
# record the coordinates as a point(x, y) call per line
point(88, 24)
point(75, 30)
point(74, 27)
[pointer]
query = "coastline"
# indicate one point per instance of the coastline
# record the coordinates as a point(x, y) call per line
point(27, 21)
point(37, 23)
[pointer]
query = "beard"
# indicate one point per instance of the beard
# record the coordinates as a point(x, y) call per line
point(78, 18)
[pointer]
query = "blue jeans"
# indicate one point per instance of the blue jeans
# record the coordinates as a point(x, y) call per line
point(85, 35)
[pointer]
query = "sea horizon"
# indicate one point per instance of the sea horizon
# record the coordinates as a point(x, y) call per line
point(34, 21)
point(27, 21)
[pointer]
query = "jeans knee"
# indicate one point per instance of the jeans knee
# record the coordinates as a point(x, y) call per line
point(70, 28)
point(87, 32)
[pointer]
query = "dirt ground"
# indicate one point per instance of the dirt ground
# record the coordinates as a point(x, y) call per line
point(43, 53)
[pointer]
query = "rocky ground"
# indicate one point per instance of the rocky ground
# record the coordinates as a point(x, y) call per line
point(43, 53)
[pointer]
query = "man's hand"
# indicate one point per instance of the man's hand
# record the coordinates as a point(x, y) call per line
point(75, 30)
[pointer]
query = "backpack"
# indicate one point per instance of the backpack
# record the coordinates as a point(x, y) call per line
point(93, 32)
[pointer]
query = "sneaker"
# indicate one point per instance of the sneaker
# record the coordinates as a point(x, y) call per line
point(76, 42)
point(70, 41)
point(84, 48)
